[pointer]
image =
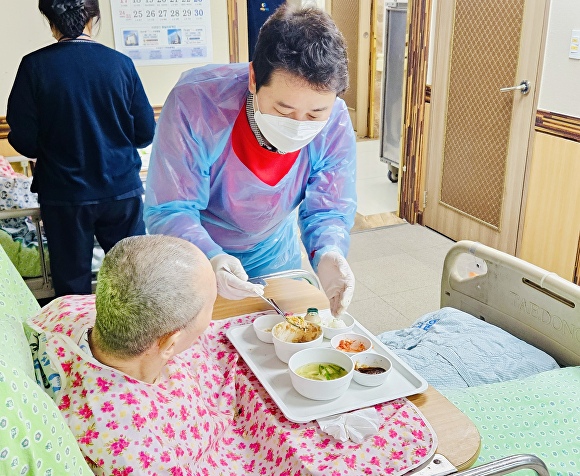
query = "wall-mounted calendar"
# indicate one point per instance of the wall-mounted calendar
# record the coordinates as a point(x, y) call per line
point(154, 32)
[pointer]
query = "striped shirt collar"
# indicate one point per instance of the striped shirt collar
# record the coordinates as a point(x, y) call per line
point(254, 126)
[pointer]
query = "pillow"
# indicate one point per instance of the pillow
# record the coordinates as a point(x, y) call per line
point(23, 254)
point(15, 193)
point(452, 349)
point(14, 345)
point(538, 415)
point(34, 437)
point(15, 297)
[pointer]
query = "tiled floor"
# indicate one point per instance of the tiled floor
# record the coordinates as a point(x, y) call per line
point(398, 275)
point(397, 268)
point(376, 193)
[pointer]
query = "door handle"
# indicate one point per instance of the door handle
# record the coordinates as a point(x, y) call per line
point(523, 87)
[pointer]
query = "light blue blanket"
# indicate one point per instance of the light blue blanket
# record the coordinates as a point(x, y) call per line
point(453, 349)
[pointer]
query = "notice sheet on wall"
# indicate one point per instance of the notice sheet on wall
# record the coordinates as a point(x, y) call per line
point(153, 32)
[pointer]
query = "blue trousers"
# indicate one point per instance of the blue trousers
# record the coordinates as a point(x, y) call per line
point(70, 232)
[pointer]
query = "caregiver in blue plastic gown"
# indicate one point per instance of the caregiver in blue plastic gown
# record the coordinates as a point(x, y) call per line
point(240, 146)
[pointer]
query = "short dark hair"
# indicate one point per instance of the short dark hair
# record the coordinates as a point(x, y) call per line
point(304, 42)
point(69, 16)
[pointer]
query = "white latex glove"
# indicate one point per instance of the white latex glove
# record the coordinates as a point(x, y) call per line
point(232, 279)
point(337, 281)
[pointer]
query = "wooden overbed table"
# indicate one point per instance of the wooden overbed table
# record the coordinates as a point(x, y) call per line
point(458, 437)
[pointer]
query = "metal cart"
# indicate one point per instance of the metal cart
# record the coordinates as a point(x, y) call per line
point(393, 69)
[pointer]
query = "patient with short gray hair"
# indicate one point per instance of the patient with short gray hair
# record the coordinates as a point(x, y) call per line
point(150, 385)
point(115, 363)
point(152, 292)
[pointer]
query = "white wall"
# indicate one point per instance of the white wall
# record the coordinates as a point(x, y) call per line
point(23, 29)
point(560, 85)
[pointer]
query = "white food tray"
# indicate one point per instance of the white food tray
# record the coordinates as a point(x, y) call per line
point(273, 374)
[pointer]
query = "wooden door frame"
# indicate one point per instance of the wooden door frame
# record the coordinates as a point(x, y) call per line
point(413, 158)
point(362, 122)
point(576, 274)
point(538, 80)
point(413, 131)
point(238, 30)
point(365, 35)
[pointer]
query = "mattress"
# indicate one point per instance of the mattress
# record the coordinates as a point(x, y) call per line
point(537, 415)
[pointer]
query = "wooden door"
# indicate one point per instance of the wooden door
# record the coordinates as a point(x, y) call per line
point(353, 19)
point(479, 137)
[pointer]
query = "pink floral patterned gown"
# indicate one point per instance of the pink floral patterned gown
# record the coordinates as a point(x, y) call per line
point(206, 415)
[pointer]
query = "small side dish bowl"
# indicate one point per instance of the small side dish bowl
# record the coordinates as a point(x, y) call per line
point(371, 369)
point(263, 326)
point(333, 368)
point(331, 329)
point(351, 343)
point(288, 339)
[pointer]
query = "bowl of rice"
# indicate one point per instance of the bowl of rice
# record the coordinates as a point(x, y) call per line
point(333, 326)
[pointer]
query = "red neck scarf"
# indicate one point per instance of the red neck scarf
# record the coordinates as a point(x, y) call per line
point(269, 167)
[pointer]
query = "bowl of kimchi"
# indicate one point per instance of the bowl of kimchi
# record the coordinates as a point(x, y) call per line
point(351, 343)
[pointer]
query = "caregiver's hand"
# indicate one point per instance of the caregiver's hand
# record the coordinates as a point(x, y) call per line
point(337, 281)
point(232, 279)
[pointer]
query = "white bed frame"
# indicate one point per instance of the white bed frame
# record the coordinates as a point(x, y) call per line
point(529, 302)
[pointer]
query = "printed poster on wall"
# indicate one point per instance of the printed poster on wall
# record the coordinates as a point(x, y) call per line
point(154, 32)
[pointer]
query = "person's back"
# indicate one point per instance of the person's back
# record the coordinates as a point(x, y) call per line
point(83, 93)
point(150, 385)
point(80, 109)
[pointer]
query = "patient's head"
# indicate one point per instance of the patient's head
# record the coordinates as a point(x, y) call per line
point(152, 290)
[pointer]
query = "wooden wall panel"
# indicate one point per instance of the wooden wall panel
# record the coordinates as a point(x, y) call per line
point(552, 217)
point(577, 267)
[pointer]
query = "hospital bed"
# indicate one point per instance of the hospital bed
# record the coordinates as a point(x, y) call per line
point(502, 290)
point(35, 257)
point(535, 410)
point(529, 302)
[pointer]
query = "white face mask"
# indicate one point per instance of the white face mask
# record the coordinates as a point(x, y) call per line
point(287, 135)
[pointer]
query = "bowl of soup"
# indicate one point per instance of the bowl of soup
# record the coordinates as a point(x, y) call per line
point(320, 373)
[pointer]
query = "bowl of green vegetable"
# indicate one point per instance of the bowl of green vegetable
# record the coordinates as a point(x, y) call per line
point(320, 373)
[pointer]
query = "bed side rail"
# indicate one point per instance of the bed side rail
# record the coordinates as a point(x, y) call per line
point(507, 465)
point(294, 274)
point(529, 302)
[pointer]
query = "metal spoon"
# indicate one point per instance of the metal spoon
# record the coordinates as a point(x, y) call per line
point(282, 313)
point(276, 308)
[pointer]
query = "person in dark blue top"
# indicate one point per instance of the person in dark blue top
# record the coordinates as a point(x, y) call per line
point(80, 109)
